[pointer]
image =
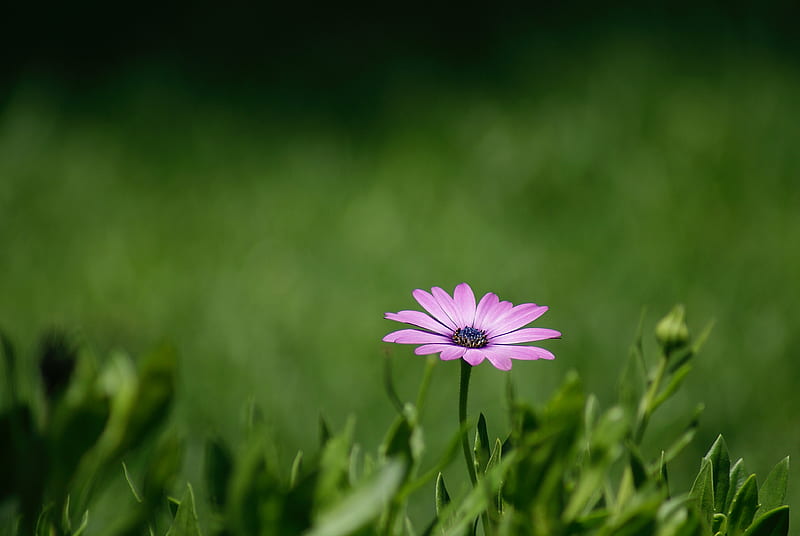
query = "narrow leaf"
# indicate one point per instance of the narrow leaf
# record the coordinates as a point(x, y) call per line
point(83, 525)
point(388, 384)
point(324, 431)
point(743, 507)
point(481, 448)
point(773, 523)
point(737, 477)
point(297, 464)
point(773, 490)
point(674, 383)
point(185, 522)
point(721, 463)
point(130, 484)
point(686, 437)
point(362, 504)
point(703, 489)
point(442, 498)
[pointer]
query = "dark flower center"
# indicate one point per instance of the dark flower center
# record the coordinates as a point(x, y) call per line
point(470, 338)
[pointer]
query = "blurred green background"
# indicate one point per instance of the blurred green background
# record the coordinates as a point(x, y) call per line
point(259, 189)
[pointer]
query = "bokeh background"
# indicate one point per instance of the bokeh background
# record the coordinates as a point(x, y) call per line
point(258, 185)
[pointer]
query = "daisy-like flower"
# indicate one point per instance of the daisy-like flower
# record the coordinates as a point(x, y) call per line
point(455, 327)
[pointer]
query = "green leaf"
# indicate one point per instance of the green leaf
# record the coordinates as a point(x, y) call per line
point(363, 504)
point(773, 523)
point(297, 464)
point(703, 489)
point(84, 523)
point(497, 453)
point(218, 471)
point(353, 464)
point(460, 516)
point(675, 382)
point(481, 448)
point(663, 474)
point(743, 507)
point(721, 464)
point(388, 384)
point(738, 475)
point(773, 490)
point(686, 437)
point(324, 431)
point(442, 498)
point(185, 522)
point(131, 485)
point(677, 520)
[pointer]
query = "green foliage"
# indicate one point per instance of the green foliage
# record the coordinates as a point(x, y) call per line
point(67, 435)
point(567, 468)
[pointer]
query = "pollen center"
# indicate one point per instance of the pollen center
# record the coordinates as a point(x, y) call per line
point(470, 337)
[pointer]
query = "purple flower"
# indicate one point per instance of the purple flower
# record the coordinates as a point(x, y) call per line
point(455, 327)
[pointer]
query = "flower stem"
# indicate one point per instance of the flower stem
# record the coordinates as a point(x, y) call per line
point(463, 394)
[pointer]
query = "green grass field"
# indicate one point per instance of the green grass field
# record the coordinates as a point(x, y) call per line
point(267, 244)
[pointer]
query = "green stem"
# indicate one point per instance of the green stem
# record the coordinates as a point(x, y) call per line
point(645, 407)
point(463, 394)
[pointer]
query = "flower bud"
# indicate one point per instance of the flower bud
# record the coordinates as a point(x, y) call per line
point(57, 358)
point(671, 331)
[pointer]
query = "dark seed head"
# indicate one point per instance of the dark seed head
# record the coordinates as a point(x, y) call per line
point(57, 357)
point(470, 337)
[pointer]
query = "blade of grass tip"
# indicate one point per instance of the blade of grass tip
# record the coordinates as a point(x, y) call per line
point(297, 464)
point(426, 381)
point(130, 483)
point(388, 384)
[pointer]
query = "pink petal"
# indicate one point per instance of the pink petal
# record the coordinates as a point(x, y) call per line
point(452, 352)
point(414, 336)
point(448, 305)
point(473, 356)
point(427, 349)
point(496, 314)
point(516, 318)
point(523, 352)
point(487, 303)
point(465, 303)
point(418, 318)
point(526, 335)
point(498, 357)
point(430, 304)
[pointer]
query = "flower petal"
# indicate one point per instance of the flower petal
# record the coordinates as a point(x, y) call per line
point(526, 335)
point(522, 352)
point(487, 303)
point(452, 352)
point(498, 357)
point(516, 318)
point(414, 336)
point(418, 318)
point(465, 303)
point(473, 356)
point(427, 349)
point(429, 303)
point(495, 315)
point(448, 305)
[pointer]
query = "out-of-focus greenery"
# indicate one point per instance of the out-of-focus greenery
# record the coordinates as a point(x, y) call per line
point(266, 244)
